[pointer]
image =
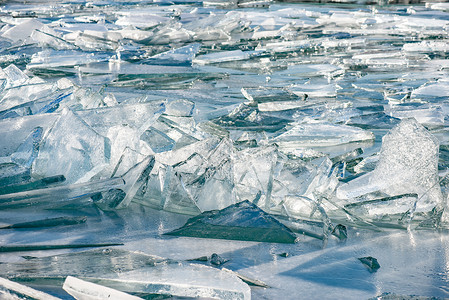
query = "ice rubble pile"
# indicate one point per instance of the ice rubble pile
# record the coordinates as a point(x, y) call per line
point(236, 113)
point(200, 108)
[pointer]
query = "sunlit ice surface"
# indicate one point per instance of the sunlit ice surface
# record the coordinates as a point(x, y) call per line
point(224, 149)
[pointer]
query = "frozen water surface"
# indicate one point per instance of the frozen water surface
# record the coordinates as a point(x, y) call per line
point(224, 149)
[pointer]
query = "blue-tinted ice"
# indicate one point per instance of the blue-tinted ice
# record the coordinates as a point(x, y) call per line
point(119, 121)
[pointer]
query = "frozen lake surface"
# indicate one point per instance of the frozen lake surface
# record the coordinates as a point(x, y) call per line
point(132, 132)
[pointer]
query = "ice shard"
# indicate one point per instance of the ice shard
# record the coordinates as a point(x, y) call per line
point(60, 221)
point(72, 153)
point(13, 290)
point(191, 179)
point(81, 289)
point(370, 262)
point(242, 221)
point(408, 163)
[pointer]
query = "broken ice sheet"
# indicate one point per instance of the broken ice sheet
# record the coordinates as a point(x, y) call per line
point(79, 264)
point(133, 179)
point(426, 114)
point(178, 56)
point(373, 121)
point(321, 135)
point(21, 32)
point(436, 89)
point(218, 57)
point(253, 174)
point(315, 89)
point(16, 131)
point(248, 118)
point(242, 221)
point(273, 99)
point(131, 272)
point(408, 163)
point(312, 70)
point(276, 182)
point(380, 60)
point(203, 181)
point(48, 59)
point(60, 221)
point(177, 182)
point(180, 279)
point(73, 195)
point(123, 126)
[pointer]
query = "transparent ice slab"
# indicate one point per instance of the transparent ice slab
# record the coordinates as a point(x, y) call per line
point(132, 272)
point(48, 59)
point(14, 132)
point(75, 195)
point(321, 134)
point(71, 153)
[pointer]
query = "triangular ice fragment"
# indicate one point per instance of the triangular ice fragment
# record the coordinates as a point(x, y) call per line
point(243, 221)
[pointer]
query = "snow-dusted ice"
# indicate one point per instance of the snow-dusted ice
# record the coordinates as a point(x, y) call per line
point(224, 149)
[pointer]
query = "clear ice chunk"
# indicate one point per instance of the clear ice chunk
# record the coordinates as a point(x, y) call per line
point(22, 31)
point(158, 140)
point(179, 56)
point(378, 120)
point(180, 108)
point(14, 132)
point(242, 221)
point(218, 57)
point(268, 99)
point(14, 76)
point(314, 70)
point(408, 163)
point(426, 46)
point(28, 150)
point(253, 174)
point(31, 185)
point(321, 135)
point(72, 148)
point(134, 179)
point(191, 179)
